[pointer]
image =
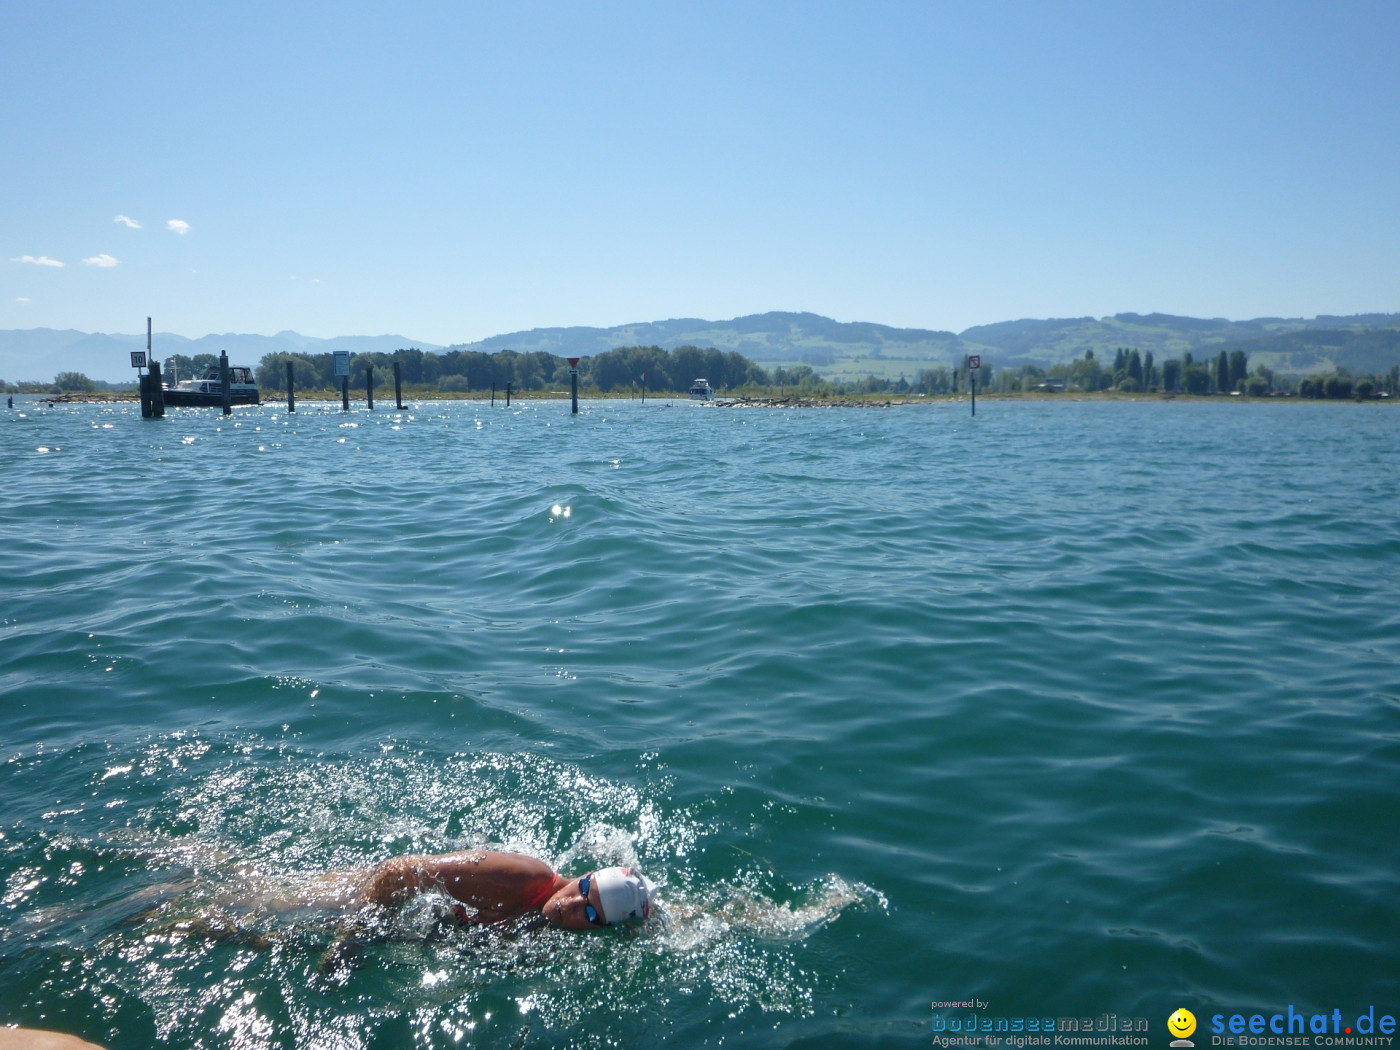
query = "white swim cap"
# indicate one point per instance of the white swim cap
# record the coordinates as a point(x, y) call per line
point(624, 893)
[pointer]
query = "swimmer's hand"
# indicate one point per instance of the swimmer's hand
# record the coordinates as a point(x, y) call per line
point(337, 960)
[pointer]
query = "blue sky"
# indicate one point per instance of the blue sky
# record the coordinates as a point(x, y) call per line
point(452, 171)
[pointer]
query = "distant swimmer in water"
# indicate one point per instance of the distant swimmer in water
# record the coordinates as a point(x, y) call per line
point(500, 886)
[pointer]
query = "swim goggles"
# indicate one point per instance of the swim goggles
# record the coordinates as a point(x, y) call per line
point(588, 908)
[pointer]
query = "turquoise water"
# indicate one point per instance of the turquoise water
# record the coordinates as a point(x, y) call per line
point(1073, 708)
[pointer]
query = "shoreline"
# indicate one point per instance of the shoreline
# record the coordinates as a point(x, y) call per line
point(751, 401)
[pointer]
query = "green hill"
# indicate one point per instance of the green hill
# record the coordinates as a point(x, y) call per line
point(847, 351)
point(1059, 340)
point(771, 337)
point(1359, 351)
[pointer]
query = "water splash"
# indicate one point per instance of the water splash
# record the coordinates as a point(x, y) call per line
point(224, 872)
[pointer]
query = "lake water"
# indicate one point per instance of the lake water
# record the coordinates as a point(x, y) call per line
point(1069, 708)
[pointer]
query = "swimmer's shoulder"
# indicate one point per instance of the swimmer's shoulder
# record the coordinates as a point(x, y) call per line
point(41, 1039)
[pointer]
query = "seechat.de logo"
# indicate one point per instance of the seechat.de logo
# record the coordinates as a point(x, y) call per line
point(1181, 1024)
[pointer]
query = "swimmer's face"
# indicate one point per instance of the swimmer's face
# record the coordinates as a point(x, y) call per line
point(569, 907)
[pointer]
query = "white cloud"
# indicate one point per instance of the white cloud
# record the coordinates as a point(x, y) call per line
point(38, 260)
point(21, 298)
point(129, 221)
point(104, 260)
point(180, 226)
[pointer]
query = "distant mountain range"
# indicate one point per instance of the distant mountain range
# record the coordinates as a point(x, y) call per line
point(1361, 343)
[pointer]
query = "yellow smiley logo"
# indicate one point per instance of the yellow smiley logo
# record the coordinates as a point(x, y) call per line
point(1182, 1023)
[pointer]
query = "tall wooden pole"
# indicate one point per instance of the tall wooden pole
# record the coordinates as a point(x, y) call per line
point(223, 383)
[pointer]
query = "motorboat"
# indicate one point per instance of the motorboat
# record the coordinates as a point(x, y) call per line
point(700, 390)
point(208, 390)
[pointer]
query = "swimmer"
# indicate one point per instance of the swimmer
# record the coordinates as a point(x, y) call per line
point(501, 886)
point(486, 888)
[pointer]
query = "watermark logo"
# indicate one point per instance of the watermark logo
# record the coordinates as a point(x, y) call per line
point(1294, 1029)
point(1181, 1024)
point(970, 1023)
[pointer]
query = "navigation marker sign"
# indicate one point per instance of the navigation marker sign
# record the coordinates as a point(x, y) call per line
point(974, 362)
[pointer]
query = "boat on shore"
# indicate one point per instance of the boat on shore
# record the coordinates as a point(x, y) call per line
point(208, 391)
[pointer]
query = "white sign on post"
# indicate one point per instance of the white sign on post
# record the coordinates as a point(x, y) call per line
point(342, 362)
point(974, 360)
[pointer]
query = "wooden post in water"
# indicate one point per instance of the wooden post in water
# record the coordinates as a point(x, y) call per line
point(154, 371)
point(157, 389)
point(291, 393)
point(573, 383)
point(345, 393)
point(493, 395)
point(507, 395)
point(152, 393)
point(398, 389)
point(369, 386)
point(223, 383)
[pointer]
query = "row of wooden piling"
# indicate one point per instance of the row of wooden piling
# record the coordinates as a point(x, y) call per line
point(153, 398)
point(369, 390)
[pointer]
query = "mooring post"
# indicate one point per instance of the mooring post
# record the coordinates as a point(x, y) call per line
point(493, 395)
point(507, 395)
point(573, 383)
point(398, 389)
point(345, 393)
point(223, 383)
point(157, 389)
point(144, 381)
point(291, 393)
point(369, 386)
point(153, 370)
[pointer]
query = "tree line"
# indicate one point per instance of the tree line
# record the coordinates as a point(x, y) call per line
point(1227, 372)
point(662, 371)
point(630, 368)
